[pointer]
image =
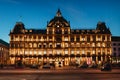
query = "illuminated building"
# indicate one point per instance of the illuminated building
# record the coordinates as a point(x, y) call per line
point(115, 49)
point(59, 44)
point(4, 52)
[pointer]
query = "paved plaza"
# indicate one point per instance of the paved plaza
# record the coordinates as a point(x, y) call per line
point(59, 74)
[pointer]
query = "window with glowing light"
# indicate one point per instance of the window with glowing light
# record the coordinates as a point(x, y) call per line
point(30, 52)
point(98, 50)
point(44, 52)
point(83, 39)
point(72, 51)
point(66, 44)
point(20, 38)
point(16, 38)
point(50, 51)
point(66, 38)
point(72, 44)
point(30, 45)
point(77, 44)
point(35, 52)
point(66, 51)
point(26, 52)
point(83, 44)
point(35, 45)
point(93, 52)
point(93, 44)
point(98, 44)
point(103, 44)
point(66, 31)
point(40, 52)
point(83, 52)
point(88, 44)
point(98, 38)
point(77, 51)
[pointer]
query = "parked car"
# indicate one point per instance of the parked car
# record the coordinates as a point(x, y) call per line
point(46, 66)
point(94, 65)
point(83, 65)
point(106, 67)
point(34, 66)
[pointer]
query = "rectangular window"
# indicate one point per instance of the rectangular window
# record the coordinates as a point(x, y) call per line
point(98, 44)
point(103, 44)
point(40, 52)
point(72, 52)
point(66, 51)
point(66, 38)
point(44, 52)
point(77, 44)
point(83, 52)
point(26, 52)
point(72, 45)
point(93, 44)
point(93, 51)
point(77, 51)
point(66, 44)
point(35, 52)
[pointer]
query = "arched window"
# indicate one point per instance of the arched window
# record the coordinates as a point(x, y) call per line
point(35, 45)
point(30, 45)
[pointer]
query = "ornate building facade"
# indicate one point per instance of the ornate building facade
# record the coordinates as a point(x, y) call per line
point(4, 52)
point(59, 44)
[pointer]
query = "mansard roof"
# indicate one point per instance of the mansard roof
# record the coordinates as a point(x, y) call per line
point(58, 19)
point(18, 28)
point(101, 26)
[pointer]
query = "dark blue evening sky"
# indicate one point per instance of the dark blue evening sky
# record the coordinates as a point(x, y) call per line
point(83, 14)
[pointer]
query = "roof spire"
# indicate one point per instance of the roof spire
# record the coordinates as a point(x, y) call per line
point(58, 14)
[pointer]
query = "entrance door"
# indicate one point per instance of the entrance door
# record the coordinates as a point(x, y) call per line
point(59, 62)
